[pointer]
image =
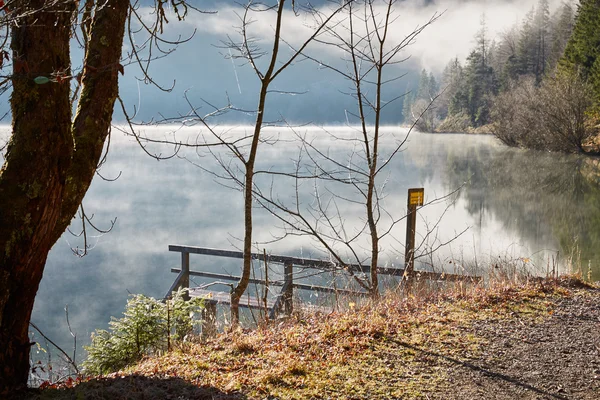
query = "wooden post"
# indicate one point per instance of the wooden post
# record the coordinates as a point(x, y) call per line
point(185, 270)
point(209, 319)
point(415, 199)
point(288, 282)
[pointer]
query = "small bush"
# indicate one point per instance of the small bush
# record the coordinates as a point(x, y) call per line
point(555, 116)
point(455, 123)
point(148, 327)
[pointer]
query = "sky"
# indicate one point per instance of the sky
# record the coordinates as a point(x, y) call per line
point(201, 70)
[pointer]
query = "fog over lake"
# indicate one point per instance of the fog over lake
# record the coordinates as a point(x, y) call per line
point(526, 207)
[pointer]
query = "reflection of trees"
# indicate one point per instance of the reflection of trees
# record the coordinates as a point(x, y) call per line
point(547, 197)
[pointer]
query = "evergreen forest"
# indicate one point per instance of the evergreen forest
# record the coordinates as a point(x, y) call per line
point(536, 86)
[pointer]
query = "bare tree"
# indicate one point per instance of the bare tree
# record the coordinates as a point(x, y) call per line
point(554, 116)
point(514, 122)
point(237, 165)
point(565, 100)
point(362, 35)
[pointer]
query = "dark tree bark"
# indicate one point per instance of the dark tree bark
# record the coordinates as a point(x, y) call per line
point(50, 160)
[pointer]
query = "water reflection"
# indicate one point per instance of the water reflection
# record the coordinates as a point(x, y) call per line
point(544, 198)
point(531, 204)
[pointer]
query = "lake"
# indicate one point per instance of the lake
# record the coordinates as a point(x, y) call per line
point(532, 209)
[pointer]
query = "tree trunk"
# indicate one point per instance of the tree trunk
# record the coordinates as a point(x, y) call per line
point(33, 176)
point(99, 90)
point(266, 80)
point(242, 284)
point(37, 174)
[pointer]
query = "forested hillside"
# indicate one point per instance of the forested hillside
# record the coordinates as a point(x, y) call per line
point(535, 86)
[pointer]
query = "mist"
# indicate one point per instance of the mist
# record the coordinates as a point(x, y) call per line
point(201, 75)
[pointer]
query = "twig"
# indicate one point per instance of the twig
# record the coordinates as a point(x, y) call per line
point(69, 359)
point(266, 286)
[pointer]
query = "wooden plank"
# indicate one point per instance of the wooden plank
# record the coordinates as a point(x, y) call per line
point(318, 264)
point(224, 298)
point(313, 308)
point(315, 288)
point(437, 276)
point(217, 297)
point(384, 271)
point(227, 277)
point(306, 262)
point(209, 320)
point(176, 285)
point(326, 289)
point(390, 271)
point(185, 273)
point(287, 291)
point(276, 307)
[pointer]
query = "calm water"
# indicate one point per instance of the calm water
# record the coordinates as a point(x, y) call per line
point(526, 207)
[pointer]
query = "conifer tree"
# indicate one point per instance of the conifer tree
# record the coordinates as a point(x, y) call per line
point(423, 92)
point(480, 79)
point(526, 53)
point(561, 28)
point(451, 84)
point(583, 49)
point(542, 24)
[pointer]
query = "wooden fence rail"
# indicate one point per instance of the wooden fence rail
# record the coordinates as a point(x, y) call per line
point(284, 300)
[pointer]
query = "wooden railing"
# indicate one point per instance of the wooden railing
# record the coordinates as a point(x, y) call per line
point(284, 299)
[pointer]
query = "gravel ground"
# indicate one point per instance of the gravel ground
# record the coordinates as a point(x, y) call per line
point(555, 357)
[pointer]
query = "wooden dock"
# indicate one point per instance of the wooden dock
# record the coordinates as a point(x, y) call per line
point(218, 297)
point(283, 301)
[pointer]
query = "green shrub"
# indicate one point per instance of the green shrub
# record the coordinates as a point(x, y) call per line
point(148, 326)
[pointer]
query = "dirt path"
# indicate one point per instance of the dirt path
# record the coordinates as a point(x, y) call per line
point(556, 357)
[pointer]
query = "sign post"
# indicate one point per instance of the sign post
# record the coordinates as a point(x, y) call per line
point(415, 199)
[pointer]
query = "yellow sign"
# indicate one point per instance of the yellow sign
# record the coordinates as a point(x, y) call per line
point(415, 197)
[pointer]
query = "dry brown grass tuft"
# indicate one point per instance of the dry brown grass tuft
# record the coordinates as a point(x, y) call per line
point(392, 348)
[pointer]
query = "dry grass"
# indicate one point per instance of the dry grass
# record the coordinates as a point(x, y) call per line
point(371, 352)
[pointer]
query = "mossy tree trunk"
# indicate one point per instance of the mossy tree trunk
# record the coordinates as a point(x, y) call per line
point(50, 160)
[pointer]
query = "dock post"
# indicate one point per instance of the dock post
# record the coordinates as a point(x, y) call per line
point(414, 200)
point(288, 283)
point(209, 319)
point(185, 270)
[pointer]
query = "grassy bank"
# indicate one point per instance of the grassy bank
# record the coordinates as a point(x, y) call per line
point(393, 348)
